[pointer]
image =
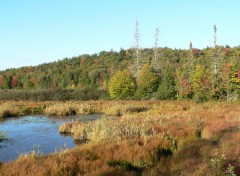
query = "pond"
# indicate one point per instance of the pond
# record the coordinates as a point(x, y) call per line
point(41, 132)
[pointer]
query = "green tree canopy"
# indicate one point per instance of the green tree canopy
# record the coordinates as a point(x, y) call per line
point(167, 87)
point(201, 84)
point(147, 82)
point(122, 86)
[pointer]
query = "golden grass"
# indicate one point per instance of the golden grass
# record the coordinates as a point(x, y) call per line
point(114, 108)
point(141, 136)
point(21, 108)
point(90, 159)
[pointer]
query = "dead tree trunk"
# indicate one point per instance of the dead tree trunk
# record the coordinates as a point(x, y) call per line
point(137, 47)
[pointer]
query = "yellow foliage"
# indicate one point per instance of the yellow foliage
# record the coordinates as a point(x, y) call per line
point(121, 85)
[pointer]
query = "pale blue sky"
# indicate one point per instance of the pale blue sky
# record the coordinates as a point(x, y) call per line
point(37, 31)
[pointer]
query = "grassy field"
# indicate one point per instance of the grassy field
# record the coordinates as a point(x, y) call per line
point(148, 138)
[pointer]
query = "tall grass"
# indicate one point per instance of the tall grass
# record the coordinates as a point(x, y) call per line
point(107, 128)
point(21, 108)
point(115, 108)
point(143, 138)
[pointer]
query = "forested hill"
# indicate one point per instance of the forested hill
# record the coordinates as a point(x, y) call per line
point(80, 71)
point(95, 71)
point(83, 71)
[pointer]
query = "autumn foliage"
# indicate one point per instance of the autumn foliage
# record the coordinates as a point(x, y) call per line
point(155, 138)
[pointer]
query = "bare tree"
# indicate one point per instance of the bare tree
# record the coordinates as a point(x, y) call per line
point(156, 45)
point(137, 46)
point(215, 36)
point(190, 46)
point(216, 56)
point(217, 63)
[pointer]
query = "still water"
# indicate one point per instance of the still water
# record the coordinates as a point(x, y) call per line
point(41, 132)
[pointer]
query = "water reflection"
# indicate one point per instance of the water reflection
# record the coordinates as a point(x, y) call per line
point(26, 132)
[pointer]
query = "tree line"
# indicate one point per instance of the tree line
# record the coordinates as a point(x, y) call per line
point(177, 74)
point(135, 73)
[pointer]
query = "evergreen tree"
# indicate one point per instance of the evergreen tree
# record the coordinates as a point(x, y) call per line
point(217, 70)
point(167, 88)
point(7, 82)
point(121, 86)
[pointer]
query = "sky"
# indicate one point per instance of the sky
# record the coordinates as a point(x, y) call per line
point(33, 32)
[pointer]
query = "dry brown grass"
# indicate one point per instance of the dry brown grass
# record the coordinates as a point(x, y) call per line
point(21, 108)
point(90, 159)
point(141, 136)
point(114, 108)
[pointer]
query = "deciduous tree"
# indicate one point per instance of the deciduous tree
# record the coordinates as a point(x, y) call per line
point(201, 84)
point(147, 82)
point(122, 86)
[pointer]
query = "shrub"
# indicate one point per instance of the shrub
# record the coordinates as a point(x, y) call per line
point(124, 165)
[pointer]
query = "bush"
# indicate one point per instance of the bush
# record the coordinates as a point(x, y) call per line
point(124, 165)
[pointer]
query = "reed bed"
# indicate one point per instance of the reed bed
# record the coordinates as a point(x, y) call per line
point(143, 138)
point(21, 108)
